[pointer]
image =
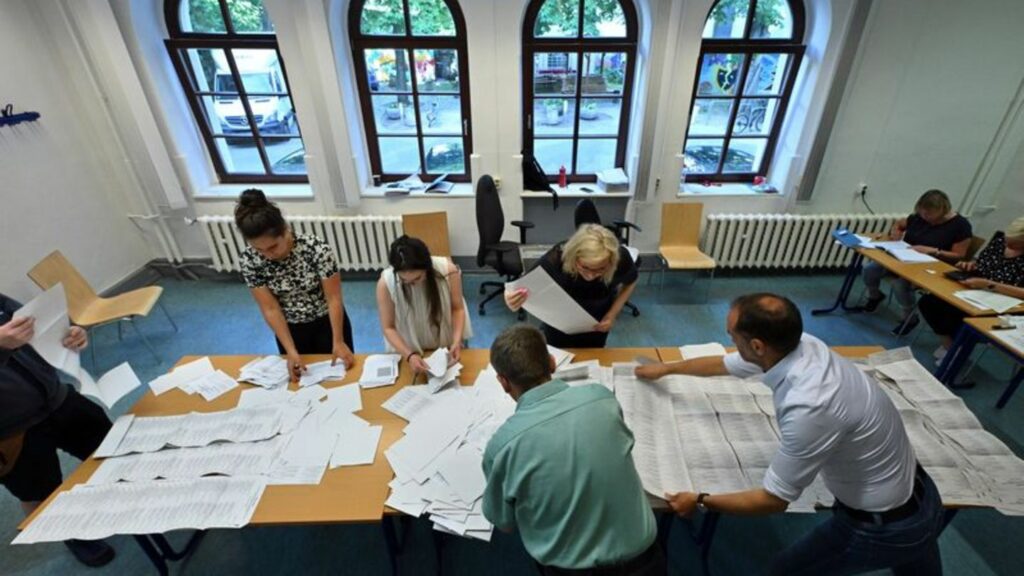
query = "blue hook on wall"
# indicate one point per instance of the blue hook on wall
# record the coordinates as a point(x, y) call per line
point(9, 118)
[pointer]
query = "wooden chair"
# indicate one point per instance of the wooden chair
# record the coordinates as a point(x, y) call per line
point(680, 236)
point(972, 250)
point(432, 228)
point(89, 310)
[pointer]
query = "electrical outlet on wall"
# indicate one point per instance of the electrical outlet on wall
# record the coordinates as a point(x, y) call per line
point(497, 182)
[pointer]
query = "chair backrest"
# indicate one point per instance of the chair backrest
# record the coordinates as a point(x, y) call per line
point(680, 223)
point(54, 269)
point(975, 246)
point(586, 213)
point(490, 219)
point(432, 228)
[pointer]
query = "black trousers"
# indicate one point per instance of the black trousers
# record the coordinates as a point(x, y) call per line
point(649, 563)
point(560, 339)
point(77, 427)
point(943, 318)
point(316, 337)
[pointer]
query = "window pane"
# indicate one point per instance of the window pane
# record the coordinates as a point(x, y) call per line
point(767, 75)
point(603, 19)
point(250, 16)
point(260, 70)
point(437, 70)
point(240, 155)
point(230, 115)
point(727, 19)
point(394, 114)
point(441, 114)
point(202, 16)
point(399, 155)
point(430, 18)
point(387, 70)
point(208, 68)
point(554, 116)
point(710, 117)
point(719, 74)
point(382, 18)
point(553, 154)
point(772, 19)
point(211, 115)
point(558, 19)
point(444, 155)
point(755, 117)
point(595, 155)
point(702, 155)
point(287, 155)
point(604, 72)
point(554, 73)
point(745, 155)
point(273, 114)
point(600, 116)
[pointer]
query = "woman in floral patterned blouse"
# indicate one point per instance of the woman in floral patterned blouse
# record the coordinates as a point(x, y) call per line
point(294, 279)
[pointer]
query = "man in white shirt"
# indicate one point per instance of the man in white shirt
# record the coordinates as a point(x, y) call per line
point(836, 421)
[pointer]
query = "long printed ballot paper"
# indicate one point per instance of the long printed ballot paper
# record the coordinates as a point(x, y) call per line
point(551, 305)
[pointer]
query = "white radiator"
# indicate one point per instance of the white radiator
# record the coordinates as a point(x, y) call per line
point(785, 240)
point(358, 242)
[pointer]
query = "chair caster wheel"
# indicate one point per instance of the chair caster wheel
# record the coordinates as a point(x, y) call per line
point(521, 316)
point(483, 290)
point(483, 312)
point(636, 313)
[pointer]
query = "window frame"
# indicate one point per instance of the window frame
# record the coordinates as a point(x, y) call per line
point(408, 44)
point(179, 41)
point(579, 45)
point(749, 47)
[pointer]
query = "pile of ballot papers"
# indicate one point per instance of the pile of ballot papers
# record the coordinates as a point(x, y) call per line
point(379, 370)
point(437, 463)
point(440, 372)
point(198, 376)
point(268, 372)
point(322, 371)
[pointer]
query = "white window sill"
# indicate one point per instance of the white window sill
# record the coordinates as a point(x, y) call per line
point(223, 192)
point(461, 190)
point(576, 191)
point(691, 189)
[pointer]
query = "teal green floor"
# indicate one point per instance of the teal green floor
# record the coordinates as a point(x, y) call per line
point(219, 317)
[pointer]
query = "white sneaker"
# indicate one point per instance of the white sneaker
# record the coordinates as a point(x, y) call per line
point(940, 352)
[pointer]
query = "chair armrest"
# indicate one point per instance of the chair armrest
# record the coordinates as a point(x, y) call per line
point(499, 248)
point(626, 224)
point(523, 226)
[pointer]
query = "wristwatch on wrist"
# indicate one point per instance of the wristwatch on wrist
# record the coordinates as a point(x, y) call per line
point(700, 502)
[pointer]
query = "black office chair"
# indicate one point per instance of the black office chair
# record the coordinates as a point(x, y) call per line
point(494, 253)
point(586, 213)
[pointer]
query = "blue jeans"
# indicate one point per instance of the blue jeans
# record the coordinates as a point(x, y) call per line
point(843, 545)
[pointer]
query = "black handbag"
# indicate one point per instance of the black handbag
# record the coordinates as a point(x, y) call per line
point(535, 179)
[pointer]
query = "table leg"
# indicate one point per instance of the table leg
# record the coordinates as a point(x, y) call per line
point(160, 551)
point(1011, 388)
point(852, 272)
point(957, 356)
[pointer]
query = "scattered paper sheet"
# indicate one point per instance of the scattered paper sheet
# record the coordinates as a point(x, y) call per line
point(356, 446)
point(561, 357)
point(379, 370)
point(987, 300)
point(112, 386)
point(228, 459)
point(97, 512)
point(268, 372)
point(318, 372)
point(691, 351)
point(345, 398)
point(437, 363)
point(214, 385)
point(408, 402)
point(449, 375)
point(183, 376)
point(551, 305)
point(263, 397)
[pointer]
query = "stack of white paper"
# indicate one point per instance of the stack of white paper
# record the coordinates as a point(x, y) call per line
point(691, 351)
point(379, 370)
point(902, 251)
point(183, 376)
point(588, 372)
point(268, 372)
point(213, 385)
point(987, 300)
point(562, 357)
point(440, 373)
point(228, 459)
point(552, 305)
point(322, 371)
point(96, 512)
point(437, 463)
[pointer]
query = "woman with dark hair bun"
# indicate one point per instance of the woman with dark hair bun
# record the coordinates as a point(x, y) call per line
point(419, 298)
point(295, 281)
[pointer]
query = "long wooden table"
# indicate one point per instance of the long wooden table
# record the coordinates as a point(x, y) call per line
point(928, 276)
point(972, 332)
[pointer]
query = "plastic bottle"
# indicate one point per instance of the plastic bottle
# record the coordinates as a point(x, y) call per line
point(562, 180)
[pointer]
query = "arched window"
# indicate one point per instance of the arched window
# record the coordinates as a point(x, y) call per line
point(748, 62)
point(412, 71)
point(579, 58)
point(225, 53)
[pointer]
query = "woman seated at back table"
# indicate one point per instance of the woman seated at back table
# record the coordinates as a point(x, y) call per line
point(419, 299)
point(595, 271)
point(998, 268)
point(933, 229)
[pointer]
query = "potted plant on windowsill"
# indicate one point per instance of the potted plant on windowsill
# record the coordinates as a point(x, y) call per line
point(589, 111)
point(552, 112)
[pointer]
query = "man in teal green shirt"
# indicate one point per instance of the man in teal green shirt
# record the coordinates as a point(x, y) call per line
point(561, 469)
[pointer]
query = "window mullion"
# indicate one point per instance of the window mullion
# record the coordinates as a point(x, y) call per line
point(578, 102)
point(416, 109)
point(749, 24)
point(243, 97)
point(740, 81)
point(229, 26)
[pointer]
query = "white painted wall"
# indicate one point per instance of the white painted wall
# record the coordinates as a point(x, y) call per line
point(59, 189)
